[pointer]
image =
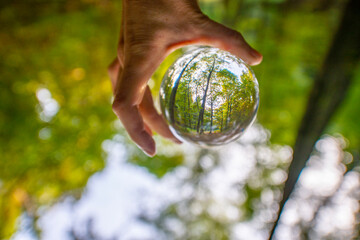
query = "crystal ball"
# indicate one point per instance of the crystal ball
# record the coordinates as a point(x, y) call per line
point(209, 97)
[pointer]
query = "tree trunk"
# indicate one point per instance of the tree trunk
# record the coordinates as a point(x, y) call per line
point(201, 114)
point(189, 107)
point(230, 109)
point(211, 115)
point(227, 111)
point(329, 90)
point(222, 120)
point(174, 90)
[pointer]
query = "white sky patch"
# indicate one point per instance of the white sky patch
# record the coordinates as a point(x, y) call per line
point(24, 232)
point(115, 197)
point(49, 107)
point(57, 221)
point(112, 199)
point(236, 68)
point(323, 182)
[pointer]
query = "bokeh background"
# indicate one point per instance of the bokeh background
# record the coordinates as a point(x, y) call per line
point(69, 171)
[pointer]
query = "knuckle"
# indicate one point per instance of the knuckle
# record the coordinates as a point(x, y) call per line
point(119, 105)
point(234, 35)
point(120, 52)
point(136, 130)
point(200, 23)
point(110, 70)
point(111, 66)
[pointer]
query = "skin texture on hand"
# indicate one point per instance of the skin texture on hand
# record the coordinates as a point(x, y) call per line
point(150, 31)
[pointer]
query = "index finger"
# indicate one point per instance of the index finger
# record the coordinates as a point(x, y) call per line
point(129, 92)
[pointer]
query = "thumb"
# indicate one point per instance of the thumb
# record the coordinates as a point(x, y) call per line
point(222, 37)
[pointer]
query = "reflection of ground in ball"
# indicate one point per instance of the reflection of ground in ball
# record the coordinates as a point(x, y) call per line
point(209, 96)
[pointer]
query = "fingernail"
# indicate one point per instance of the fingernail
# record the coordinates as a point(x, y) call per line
point(256, 54)
point(150, 150)
point(149, 153)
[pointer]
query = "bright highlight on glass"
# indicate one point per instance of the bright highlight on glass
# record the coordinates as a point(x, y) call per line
point(209, 97)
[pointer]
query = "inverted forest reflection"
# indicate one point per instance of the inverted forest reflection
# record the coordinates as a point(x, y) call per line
point(209, 96)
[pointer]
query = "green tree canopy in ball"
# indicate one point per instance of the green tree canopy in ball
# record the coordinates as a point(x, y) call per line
point(209, 97)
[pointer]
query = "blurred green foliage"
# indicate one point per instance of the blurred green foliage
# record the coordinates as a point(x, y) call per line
point(294, 39)
point(65, 47)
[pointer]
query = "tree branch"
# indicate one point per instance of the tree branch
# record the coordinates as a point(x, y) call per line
point(329, 90)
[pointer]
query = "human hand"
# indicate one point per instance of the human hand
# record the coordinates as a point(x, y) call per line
point(150, 31)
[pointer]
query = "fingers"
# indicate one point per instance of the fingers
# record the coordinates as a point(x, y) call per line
point(130, 116)
point(134, 125)
point(217, 35)
point(129, 92)
point(154, 120)
point(126, 109)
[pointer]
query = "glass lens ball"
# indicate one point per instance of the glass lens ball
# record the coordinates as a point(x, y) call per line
point(209, 97)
